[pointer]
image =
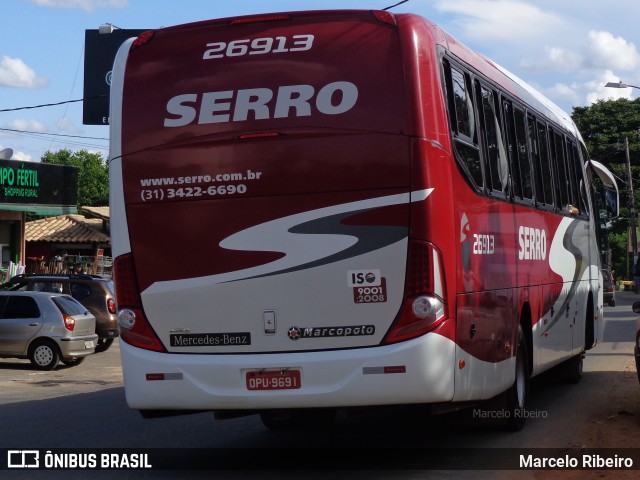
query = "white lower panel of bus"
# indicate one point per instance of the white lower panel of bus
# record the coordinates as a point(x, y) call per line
point(418, 371)
point(480, 380)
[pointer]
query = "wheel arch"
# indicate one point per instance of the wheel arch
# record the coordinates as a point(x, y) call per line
point(42, 338)
point(527, 330)
point(589, 323)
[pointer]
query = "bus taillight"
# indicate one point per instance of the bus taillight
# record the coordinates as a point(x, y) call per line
point(259, 19)
point(143, 38)
point(424, 305)
point(132, 322)
point(384, 17)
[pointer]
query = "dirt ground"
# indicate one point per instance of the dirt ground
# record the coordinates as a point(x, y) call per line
point(615, 426)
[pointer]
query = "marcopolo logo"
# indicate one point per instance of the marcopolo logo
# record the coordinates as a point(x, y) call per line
point(296, 333)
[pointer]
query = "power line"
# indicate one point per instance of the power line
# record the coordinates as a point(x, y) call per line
point(59, 139)
point(52, 134)
point(50, 104)
point(75, 78)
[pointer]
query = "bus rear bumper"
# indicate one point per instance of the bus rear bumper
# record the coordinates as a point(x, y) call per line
point(417, 371)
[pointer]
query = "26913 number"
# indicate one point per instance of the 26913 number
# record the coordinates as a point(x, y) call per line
point(258, 46)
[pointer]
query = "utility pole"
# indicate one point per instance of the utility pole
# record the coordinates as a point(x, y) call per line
point(632, 208)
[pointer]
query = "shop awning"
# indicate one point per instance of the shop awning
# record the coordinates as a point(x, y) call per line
point(44, 210)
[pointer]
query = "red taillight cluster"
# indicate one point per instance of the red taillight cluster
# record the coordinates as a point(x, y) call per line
point(111, 305)
point(420, 269)
point(384, 16)
point(132, 322)
point(69, 322)
point(424, 306)
point(259, 19)
point(144, 37)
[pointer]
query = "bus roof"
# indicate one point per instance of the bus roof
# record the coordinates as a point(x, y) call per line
point(508, 80)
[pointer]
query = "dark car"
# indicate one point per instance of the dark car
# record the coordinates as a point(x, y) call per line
point(608, 288)
point(45, 328)
point(94, 292)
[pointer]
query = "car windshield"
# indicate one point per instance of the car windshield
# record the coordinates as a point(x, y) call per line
point(110, 286)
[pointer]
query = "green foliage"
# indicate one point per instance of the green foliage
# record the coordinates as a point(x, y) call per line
point(93, 176)
point(618, 245)
point(604, 125)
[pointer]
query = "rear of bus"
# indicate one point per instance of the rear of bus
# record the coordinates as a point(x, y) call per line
point(269, 206)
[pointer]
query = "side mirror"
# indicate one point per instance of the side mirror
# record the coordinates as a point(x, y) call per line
point(611, 203)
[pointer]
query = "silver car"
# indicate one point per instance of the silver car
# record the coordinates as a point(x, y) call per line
point(46, 328)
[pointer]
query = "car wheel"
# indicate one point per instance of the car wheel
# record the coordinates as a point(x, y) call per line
point(517, 396)
point(73, 361)
point(103, 344)
point(612, 302)
point(44, 355)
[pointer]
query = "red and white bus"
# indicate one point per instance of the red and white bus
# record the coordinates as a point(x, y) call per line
point(333, 209)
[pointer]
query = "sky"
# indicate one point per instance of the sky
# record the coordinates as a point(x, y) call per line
point(566, 49)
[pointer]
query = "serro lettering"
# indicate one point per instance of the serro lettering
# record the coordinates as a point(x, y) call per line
point(532, 243)
point(237, 105)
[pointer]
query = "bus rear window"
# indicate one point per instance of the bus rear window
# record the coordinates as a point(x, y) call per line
point(256, 77)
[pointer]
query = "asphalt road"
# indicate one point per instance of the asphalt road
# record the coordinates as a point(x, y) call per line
point(84, 407)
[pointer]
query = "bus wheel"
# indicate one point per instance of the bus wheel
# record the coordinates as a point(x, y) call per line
point(572, 369)
point(298, 419)
point(517, 396)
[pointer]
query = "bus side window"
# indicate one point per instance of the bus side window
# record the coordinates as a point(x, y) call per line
point(583, 158)
point(522, 151)
point(495, 154)
point(515, 128)
point(578, 196)
point(541, 164)
point(463, 123)
point(559, 169)
point(512, 148)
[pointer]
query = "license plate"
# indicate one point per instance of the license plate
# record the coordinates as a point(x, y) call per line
point(273, 379)
point(88, 344)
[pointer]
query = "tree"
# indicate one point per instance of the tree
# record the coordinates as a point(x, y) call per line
point(604, 126)
point(93, 176)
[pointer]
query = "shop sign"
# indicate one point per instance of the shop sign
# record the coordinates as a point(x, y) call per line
point(32, 183)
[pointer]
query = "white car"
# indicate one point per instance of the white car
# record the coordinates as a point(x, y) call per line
point(46, 328)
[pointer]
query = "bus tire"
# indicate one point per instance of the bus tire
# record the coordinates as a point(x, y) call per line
point(517, 396)
point(572, 369)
